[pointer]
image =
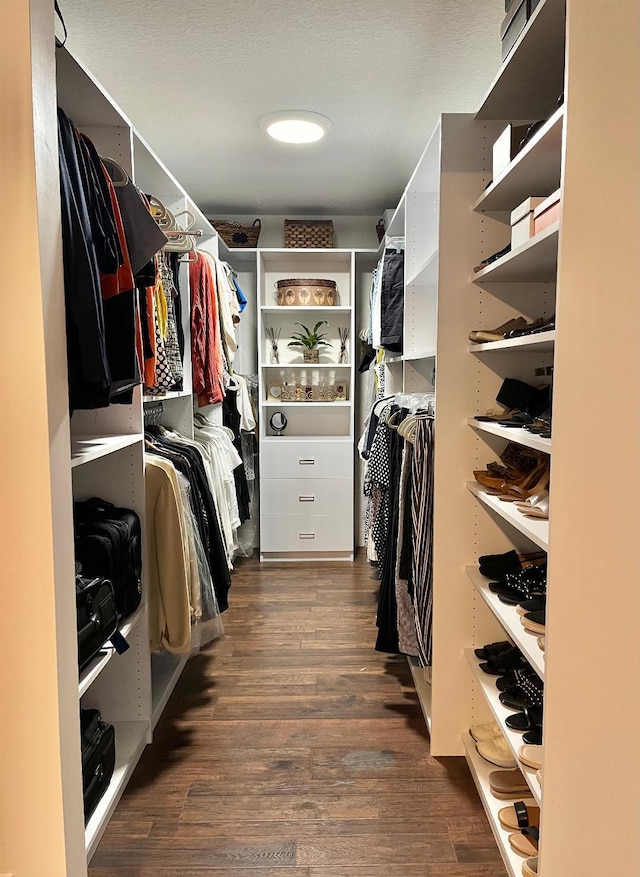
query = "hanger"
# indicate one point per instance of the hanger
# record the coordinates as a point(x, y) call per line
point(117, 174)
point(376, 408)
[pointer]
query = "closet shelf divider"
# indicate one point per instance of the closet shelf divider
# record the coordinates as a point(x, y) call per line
point(536, 261)
point(544, 342)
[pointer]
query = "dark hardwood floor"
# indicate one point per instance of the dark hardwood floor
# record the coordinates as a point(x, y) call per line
point(291, 747)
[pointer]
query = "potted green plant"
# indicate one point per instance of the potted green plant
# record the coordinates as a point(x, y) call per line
point(310, 340)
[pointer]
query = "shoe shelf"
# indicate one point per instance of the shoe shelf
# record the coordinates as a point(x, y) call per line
point(423, 689)
point(510, 620)
point(543, 342)
point(480, 771)
point(537, 530)
point(89, 675)
point(536, 261)
point(535, 171)
point(85, 448)
point(519, 435)
point(131, 739)
point(531, 78)
point(500, 712)
point(427, 273)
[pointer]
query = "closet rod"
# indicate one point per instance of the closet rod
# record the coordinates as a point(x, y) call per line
point(193, 234)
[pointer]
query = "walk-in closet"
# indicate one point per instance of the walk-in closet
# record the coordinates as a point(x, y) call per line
point(337, 438)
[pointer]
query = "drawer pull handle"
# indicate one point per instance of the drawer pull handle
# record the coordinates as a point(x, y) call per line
point(307, 462)
point(306, 499)
point(307, 535)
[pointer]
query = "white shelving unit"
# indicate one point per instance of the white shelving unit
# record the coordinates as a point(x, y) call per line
point(85, 448)
point(583, 268)
point(298, 520)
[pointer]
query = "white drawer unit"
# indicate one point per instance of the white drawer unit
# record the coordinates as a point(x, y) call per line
point(308, 496)
point(306, 533)
point(306, 459)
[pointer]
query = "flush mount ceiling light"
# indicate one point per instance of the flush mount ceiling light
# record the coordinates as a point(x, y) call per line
point(296, 126)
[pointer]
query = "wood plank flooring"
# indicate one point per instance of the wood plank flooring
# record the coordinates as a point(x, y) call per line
point(291, 748)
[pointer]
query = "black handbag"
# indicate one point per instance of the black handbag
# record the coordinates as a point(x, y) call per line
point(98, 742)
point(96, 616)
point(107, 543)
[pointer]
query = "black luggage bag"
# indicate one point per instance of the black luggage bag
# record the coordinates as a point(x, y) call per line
point(107, 543)
point(98, 758)
point(96, 616)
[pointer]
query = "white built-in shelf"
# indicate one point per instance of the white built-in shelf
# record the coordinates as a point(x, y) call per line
point(535, 529)
point(534, 172)
point(427, 272)
point(531, 78)
point(85, 448)
point(270, 403)
point(396, 226)
point(510, 620)
point(536, 261)
point(423, 689)
point(131, 739)
point(392, 358)
point(543, 342)
point(292, 309)
point(480, 771)
point(514, 738)
point(170, 394)
point(513, 434)
point(165, 672)
point(90, 673)
point(414, 356)
point(306, 365)
point(235, 254)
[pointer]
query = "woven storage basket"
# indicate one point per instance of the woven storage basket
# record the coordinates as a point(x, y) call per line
point(236, 235)
point(308, 233)
point(307, 293)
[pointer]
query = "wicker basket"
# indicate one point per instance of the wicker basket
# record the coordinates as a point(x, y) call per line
point(308, 233)
point(307, 293)
point(235, 235)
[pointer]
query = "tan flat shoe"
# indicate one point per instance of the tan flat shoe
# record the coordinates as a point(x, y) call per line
point(530, 867)
point(531, 755)
point(486, 731)
point(496, 751)
point(525, 844)
point(519, 815)
point(506, 784)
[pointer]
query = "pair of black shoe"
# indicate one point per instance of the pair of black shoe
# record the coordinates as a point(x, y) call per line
point(527, 584)
point(497, 566)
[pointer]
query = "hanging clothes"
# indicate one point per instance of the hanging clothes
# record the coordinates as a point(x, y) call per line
point(187, 458)
point(206, 343)
point(398, 484)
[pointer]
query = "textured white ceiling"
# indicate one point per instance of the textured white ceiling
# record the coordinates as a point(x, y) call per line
point(195, 78)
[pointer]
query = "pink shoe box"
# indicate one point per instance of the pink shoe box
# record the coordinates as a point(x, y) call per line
point(547, 213)
point(522, 221)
